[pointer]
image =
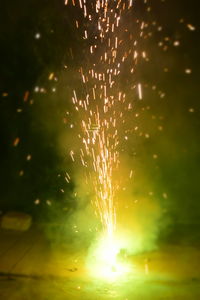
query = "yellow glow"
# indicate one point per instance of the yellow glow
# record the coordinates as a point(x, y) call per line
point(107, 261)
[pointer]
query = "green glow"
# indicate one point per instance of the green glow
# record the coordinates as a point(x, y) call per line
point(107, 259)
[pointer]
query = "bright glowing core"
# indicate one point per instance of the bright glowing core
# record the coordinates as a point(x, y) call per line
point(107, 259)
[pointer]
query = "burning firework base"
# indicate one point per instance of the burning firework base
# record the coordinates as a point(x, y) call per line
point(104, 271)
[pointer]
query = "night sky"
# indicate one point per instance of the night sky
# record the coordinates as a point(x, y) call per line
point(38, 38)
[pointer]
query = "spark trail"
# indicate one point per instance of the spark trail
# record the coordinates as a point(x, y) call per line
point(112, 36)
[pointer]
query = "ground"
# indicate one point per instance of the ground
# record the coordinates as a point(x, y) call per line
point(31, 268)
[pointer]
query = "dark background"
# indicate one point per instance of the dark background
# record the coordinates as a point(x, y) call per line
point(26, 62)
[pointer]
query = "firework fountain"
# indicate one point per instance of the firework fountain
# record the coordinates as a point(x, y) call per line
point(113, 49)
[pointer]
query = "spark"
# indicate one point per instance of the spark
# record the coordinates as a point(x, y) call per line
point(16, 142)
point(26, 95)
point(37, 36)
point(191, 27)
point(188, 71)
point(112, 45)
point(140, 91)
point(51, 76)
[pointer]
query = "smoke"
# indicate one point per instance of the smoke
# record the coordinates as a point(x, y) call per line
point(140, 200)
point(73, 219)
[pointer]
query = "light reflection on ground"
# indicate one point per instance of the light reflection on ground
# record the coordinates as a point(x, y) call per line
point(172, 274)
point(60, 289)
